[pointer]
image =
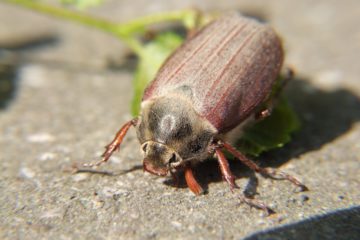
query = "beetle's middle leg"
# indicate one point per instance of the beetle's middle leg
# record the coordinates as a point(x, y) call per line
point(272, 173)
point(225, 169)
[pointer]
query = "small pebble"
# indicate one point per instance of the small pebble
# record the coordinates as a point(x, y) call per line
point(40, 138)
point(108, 192)
point(97, 204)
point(26, 173)
point(47, 156)
point(176, 224)
point(80, 177)
point(192, 228)
point(53, 213)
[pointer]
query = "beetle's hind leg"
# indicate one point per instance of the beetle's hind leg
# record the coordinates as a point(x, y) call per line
point(115, 143)
point(269, 172)
point(230, 179)
point(285, 77)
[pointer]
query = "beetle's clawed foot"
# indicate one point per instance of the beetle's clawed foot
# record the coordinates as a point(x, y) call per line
point(256, 204)
point(115, 143)
point(104, 157)
point(302, 188)
point(112, 147)
point(279, 175)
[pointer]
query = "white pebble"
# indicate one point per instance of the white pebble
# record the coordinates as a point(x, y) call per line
point(176, 224)
point(47, 156)
point(40, 138)
point(80, 177)
point(26, 173)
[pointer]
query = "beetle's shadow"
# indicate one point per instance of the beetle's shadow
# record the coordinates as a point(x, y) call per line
point(324, 116)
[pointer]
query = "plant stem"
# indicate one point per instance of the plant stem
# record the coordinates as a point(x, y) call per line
point(124, 31)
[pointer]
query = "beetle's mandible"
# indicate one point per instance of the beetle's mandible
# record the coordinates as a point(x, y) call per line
point(207, 90)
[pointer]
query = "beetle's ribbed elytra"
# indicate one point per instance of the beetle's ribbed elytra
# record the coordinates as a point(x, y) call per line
point(218, 80)
point(228, 68)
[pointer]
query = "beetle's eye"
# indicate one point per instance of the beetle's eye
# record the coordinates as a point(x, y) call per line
point(172, 159)
point(144, 147)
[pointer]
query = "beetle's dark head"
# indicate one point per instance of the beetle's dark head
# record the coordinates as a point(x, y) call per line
point(159, 158)
point(171, 134)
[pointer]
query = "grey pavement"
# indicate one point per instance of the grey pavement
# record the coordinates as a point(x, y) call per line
point(64, 103)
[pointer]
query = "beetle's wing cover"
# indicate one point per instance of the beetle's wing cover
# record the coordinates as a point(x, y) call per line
point(229, 68)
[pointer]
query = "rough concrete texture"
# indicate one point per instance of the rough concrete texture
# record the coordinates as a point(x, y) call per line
point(67, 104)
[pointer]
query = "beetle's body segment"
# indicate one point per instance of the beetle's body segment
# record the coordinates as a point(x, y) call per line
point(212, 85)
point(227, 69)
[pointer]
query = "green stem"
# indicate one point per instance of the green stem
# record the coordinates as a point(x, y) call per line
point(124, 31)
point(188, 17)
point(87, 20)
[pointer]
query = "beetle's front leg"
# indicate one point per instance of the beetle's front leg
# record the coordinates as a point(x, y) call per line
point(115, 143)
point(193, 185)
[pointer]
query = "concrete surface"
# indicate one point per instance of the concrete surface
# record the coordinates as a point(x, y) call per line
point(66, 104)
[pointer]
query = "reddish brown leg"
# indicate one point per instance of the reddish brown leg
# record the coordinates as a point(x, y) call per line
point(115, 144)
point(256, 204)
point(191, 181)
point(288, 74)
point(225, 170)
point(229, 177)
point(272, 173)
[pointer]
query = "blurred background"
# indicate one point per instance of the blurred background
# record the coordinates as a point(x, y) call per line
point(66, 88)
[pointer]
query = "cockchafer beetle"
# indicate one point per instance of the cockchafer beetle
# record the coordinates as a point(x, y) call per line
point(203, 95)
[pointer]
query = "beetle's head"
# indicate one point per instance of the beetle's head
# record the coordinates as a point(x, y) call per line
point(159, 158)
point(171, 134)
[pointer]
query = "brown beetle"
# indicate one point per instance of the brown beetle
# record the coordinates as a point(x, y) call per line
point(203, 95)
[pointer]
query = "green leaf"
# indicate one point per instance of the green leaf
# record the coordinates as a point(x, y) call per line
point(152, 57)
point(272, 132)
